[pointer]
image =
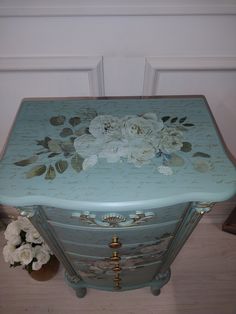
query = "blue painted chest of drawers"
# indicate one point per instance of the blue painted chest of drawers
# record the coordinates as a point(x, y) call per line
point(115, 186)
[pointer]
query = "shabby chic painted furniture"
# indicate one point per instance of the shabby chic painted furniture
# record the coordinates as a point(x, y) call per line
point(115, 186)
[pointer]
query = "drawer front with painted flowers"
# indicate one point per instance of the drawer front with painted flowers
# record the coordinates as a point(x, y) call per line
point(115, 276)
point(159, 246)
point(103, 236)
point(112, 220)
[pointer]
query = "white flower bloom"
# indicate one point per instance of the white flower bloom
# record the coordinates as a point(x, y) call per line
point(112, 151)
point(9, 253)
point(13, 229)
point(47, 248)
point(33, 236)
point(89, 162)
point(167, 171)
point(25, 254)
point(140, 153)
point(105, 126)
point(171, 140)
point(87, 145)
point(36, 265)
point(14, 239)
point(41, 254)
point(146, 126)
point(24, 223)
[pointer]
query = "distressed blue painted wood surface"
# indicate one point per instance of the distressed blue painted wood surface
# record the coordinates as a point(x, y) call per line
point(201, 171)
point(115, 220)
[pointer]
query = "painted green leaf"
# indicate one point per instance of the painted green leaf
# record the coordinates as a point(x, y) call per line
point(42, 152)
point(66, 132)
point(61, 166)
point(26, 162)
point(182, 120)
point(200, 154)
point(51, 173)
point(44, 142)
point(82, 131)
point(58, 120)
point(187, 147)
point(188, 124)
point(173, 120)
point(67, 148)
point(166, 118)
point(175, 161)
point(53, 155)
point(74, 121)
point(72, 139)
point(76, 162)
point(54, 146)
point(36, 171)
point(181, 128)
point(202, 166)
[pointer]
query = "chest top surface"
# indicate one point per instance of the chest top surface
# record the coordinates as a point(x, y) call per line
point(114, 154)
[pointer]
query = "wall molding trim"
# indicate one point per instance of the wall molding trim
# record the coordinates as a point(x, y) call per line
point(155, 65)
point(92, 65)
point(23, 8)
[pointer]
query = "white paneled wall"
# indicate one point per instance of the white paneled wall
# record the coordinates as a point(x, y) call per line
point(118, 48)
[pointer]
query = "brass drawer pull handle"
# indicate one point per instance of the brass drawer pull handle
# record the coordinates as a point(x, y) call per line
point(117, 281)
point(117, 286)
point(115, 257)
point(115, 244)
point(117, 268)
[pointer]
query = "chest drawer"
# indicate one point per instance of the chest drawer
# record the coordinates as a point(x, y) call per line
point(129, 277)
point(102, 236)
point(113, 219)
point(157, 246)
point(106, 264)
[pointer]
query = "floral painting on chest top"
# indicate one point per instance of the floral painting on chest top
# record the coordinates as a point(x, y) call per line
point(136, 139)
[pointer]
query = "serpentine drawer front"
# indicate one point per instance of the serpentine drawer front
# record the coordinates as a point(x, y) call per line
point(113, 219)
point(115, 186)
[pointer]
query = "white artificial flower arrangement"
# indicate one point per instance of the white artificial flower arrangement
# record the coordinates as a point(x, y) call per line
point(25, 246)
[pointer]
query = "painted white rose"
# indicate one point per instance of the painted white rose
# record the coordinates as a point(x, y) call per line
point(87, 145)
point(9, 253)
point(145, 126)
point(171, 140)
point(105, 126)
point(140, 153)
point(89, 162)
point(167, 171)
point(24, 254)
point(112, 151)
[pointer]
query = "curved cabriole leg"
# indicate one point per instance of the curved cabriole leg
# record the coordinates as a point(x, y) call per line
point(160, 280)
point(81, 292)
point(155, 291)
point(77, 284)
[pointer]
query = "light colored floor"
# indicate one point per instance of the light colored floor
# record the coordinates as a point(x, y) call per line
point(203, 282)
